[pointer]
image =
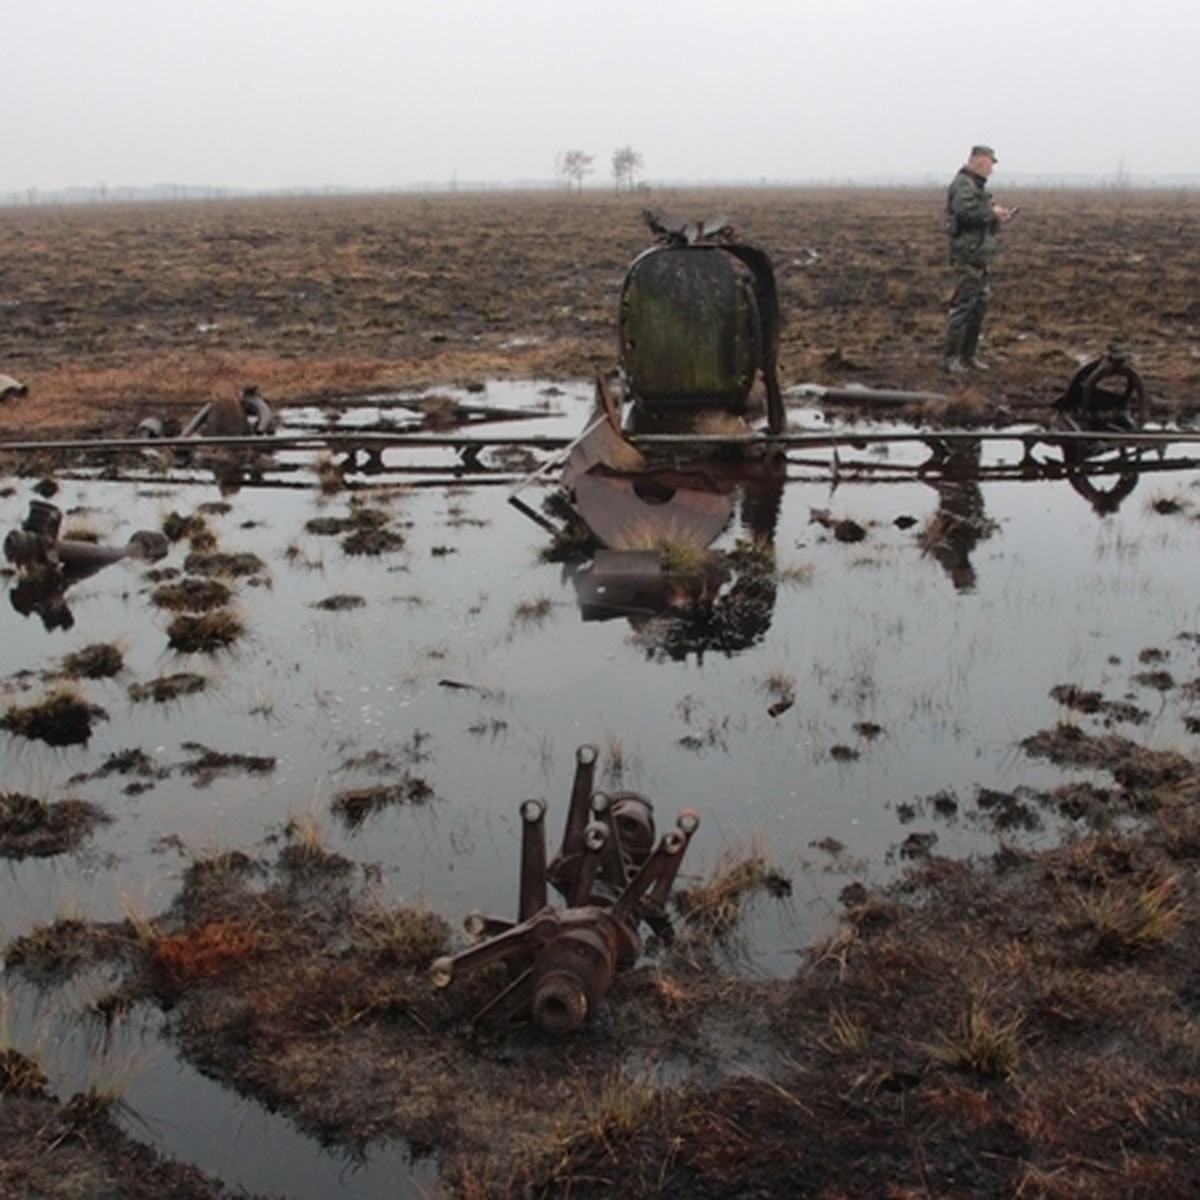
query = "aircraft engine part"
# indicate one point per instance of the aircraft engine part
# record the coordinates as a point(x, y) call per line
point(37, 544)
point(1106, 394)
point(611, 874)
point(627, 511)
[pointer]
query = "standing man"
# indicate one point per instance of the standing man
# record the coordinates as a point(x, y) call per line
point(973, 219)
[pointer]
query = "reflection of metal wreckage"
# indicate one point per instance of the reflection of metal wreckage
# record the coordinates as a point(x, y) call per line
point(1106, 395)
point(699, 321)
point(656, 565)
point(612, 875)
point(49, 564)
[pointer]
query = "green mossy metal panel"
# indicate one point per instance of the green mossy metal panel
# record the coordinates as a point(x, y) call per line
point(688, 328)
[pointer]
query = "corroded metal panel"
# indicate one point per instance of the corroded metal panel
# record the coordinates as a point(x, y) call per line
point(689, 327)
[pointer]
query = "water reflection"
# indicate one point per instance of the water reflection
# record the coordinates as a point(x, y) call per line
point(1108, 488)
point(959, 523)
point(644, 533)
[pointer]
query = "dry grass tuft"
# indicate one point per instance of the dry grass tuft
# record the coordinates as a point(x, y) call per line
point(1132, 915)
point(714, 908)
point(983, 1043)
point(203, 953)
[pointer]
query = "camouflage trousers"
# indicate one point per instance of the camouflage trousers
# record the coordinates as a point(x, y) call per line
point(967, 308)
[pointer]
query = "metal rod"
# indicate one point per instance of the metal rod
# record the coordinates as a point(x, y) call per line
point(545, 442)
point(533, 858)
point(580, 806)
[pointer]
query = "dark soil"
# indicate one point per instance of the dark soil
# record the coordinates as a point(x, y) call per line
point(316, 299)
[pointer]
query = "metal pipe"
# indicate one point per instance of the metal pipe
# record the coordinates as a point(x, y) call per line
point(581, 802)
point(860, 395)
point(543, 442)
point(533, 858)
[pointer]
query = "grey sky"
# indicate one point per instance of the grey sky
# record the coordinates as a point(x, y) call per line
point(381, 93)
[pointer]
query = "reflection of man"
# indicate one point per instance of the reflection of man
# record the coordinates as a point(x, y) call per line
point(973, 220)
point(959, 523)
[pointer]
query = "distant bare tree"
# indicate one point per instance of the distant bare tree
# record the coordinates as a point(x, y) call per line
point(573, 165)
point(626, 163)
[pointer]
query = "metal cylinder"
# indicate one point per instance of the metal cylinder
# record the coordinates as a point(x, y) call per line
point(533, 858)
point(581, 795)
point(595, 839)
point(44, 518)
point(572, 974)
point(560, 1004)
point(25, 549)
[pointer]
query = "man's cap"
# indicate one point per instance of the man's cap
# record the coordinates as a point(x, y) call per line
point(984, 150)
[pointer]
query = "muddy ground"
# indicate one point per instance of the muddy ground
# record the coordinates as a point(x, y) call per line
point(1024, 1025)
point(115, 312)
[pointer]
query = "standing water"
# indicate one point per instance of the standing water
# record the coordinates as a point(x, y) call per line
point(879, 683)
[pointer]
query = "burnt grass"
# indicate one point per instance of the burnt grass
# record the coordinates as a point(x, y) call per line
point(1023, 1024)
point(77, 1148)
point(322, 298)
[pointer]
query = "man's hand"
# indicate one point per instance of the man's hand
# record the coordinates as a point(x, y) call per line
point(1003, 214)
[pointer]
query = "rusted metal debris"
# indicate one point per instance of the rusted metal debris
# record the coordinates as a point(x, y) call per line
point(49, 564)
point(612, 875)
point(700, 321)
point(37, 544)
point(1104, 395)
point(10, 387)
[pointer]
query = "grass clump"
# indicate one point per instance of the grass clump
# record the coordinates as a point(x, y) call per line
point(32, 828)
point(99, 661)
point(168, 687)
point(192, 595)
point(355, 805)
point(202, 953)
point(209, 563)
point(983, 1043)
point(1129, 916)
point(63, 718)
point(715, 908)
point(406, 937)
point(204, 633)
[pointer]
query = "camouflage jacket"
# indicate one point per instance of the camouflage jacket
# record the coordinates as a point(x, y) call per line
point(970, 221)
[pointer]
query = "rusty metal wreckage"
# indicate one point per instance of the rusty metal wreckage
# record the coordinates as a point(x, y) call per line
point(613, 877)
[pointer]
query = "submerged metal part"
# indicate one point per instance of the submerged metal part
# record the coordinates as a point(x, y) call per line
point(637, 511)
point(37, 544)
point(1092, 403)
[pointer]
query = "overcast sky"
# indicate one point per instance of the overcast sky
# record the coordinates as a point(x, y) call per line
point(384, 93)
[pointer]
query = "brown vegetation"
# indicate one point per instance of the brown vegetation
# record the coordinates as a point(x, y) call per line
point(121, 311)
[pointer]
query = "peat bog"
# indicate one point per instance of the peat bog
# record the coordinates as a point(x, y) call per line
point(937, 932)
